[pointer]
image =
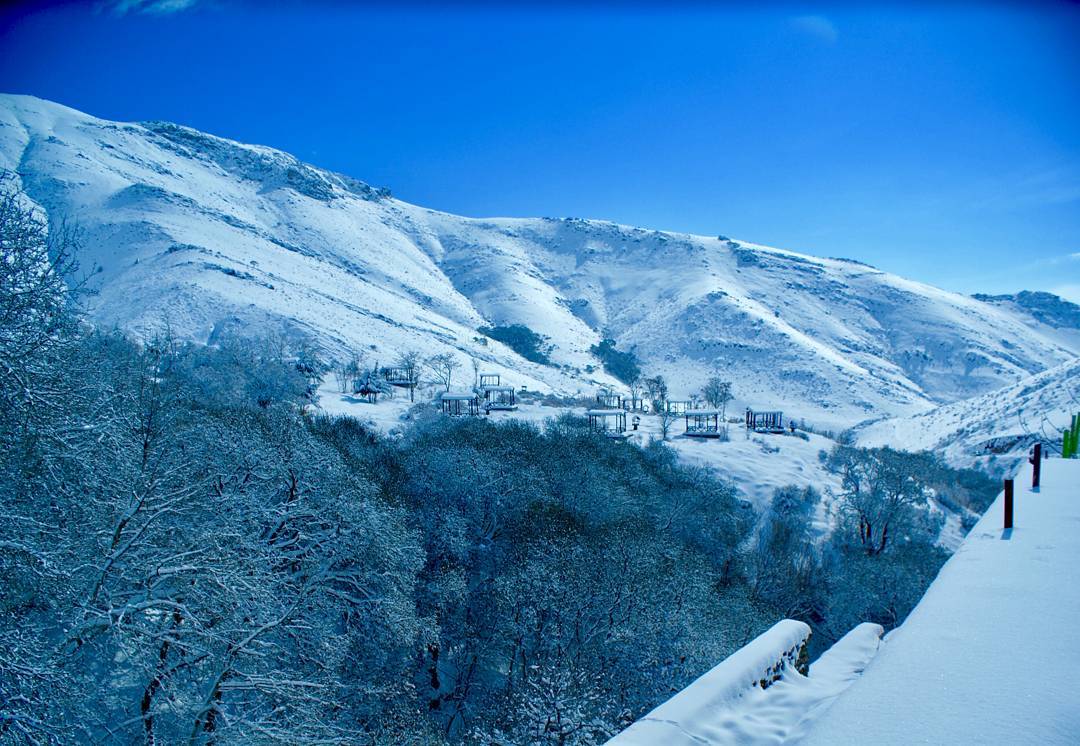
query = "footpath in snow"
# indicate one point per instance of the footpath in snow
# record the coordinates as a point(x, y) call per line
point(990, 655)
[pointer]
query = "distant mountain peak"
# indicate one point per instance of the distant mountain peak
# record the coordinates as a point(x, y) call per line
point(1047, 308)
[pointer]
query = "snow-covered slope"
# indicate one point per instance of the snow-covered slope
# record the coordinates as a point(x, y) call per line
point(1001, 425)
point(212, 236)
point(1056, 315)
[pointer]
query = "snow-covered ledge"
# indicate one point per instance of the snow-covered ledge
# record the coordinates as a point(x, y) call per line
point(756, 665)
point(761, 694)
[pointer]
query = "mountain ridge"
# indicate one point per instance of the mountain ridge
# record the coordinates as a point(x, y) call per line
point(215, 236)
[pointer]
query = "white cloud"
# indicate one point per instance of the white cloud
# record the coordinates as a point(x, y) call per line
point(150, 7)
point(1061, 259)
point(1068, 292)
point(819, 27)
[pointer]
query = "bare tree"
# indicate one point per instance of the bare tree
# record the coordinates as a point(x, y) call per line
point(347, 371)
point(657, 391)
point(717, 393)
point(341, 376)
point(635, 385)
point(442, 367)
point(667, 422)
point(880, 488)
point(409, 362)
point(37, 267)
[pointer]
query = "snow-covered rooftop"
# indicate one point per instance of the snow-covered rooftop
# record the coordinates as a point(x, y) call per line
point(990, 654)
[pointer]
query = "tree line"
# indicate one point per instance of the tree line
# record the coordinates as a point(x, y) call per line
point(190, 553)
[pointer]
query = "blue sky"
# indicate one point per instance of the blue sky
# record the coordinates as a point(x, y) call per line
point(938, 141)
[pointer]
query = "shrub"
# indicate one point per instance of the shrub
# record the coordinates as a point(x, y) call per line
point(623, 365)
point(522, 340)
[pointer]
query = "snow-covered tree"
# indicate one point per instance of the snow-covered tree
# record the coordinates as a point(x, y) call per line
point(717, 393)
point(410, 362)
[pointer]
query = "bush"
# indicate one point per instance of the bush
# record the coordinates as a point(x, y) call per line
point(522, 340)
point(623, 366)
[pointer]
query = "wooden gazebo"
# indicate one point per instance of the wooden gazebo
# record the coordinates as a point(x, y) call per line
point(499, 398)
point(489, 380)
point(456, 405)
point(610, 422)
point(702, 423)
point(765, 422)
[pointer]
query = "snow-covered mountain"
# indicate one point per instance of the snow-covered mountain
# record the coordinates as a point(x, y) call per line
point(1057, 316)
point(1001, 425)
point(214, 236)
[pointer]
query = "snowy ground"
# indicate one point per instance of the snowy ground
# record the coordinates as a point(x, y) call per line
point(990, 654)
point(757, 464)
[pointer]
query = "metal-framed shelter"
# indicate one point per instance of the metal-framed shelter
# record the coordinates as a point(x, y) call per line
point(499, 398)
point(702, 423)
point(456, 405)
point(610, 422)
point(609, 400)
point(677, 406)
point(397, 377)
point(490, 380)
point(765, 422)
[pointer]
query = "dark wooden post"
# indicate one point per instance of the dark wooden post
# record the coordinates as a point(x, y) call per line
point(1008, 503)
point(1036, 467)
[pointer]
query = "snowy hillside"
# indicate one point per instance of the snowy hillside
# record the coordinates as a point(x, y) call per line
point(1046, 309)
point(1001, 425)
point(210, 235)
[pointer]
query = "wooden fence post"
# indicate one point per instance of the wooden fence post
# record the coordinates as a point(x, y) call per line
point(1008, 503)
point(1036, 467)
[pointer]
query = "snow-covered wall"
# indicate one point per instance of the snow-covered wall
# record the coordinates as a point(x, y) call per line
point(756, 665)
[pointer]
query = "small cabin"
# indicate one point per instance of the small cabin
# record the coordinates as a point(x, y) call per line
point(608, 400)
point(456, 405)
point(610, 422)
point(490, 380)
point(765, 422)
point(397, 377)
point(678, 406)
point(702, 423)
point(499, 398)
